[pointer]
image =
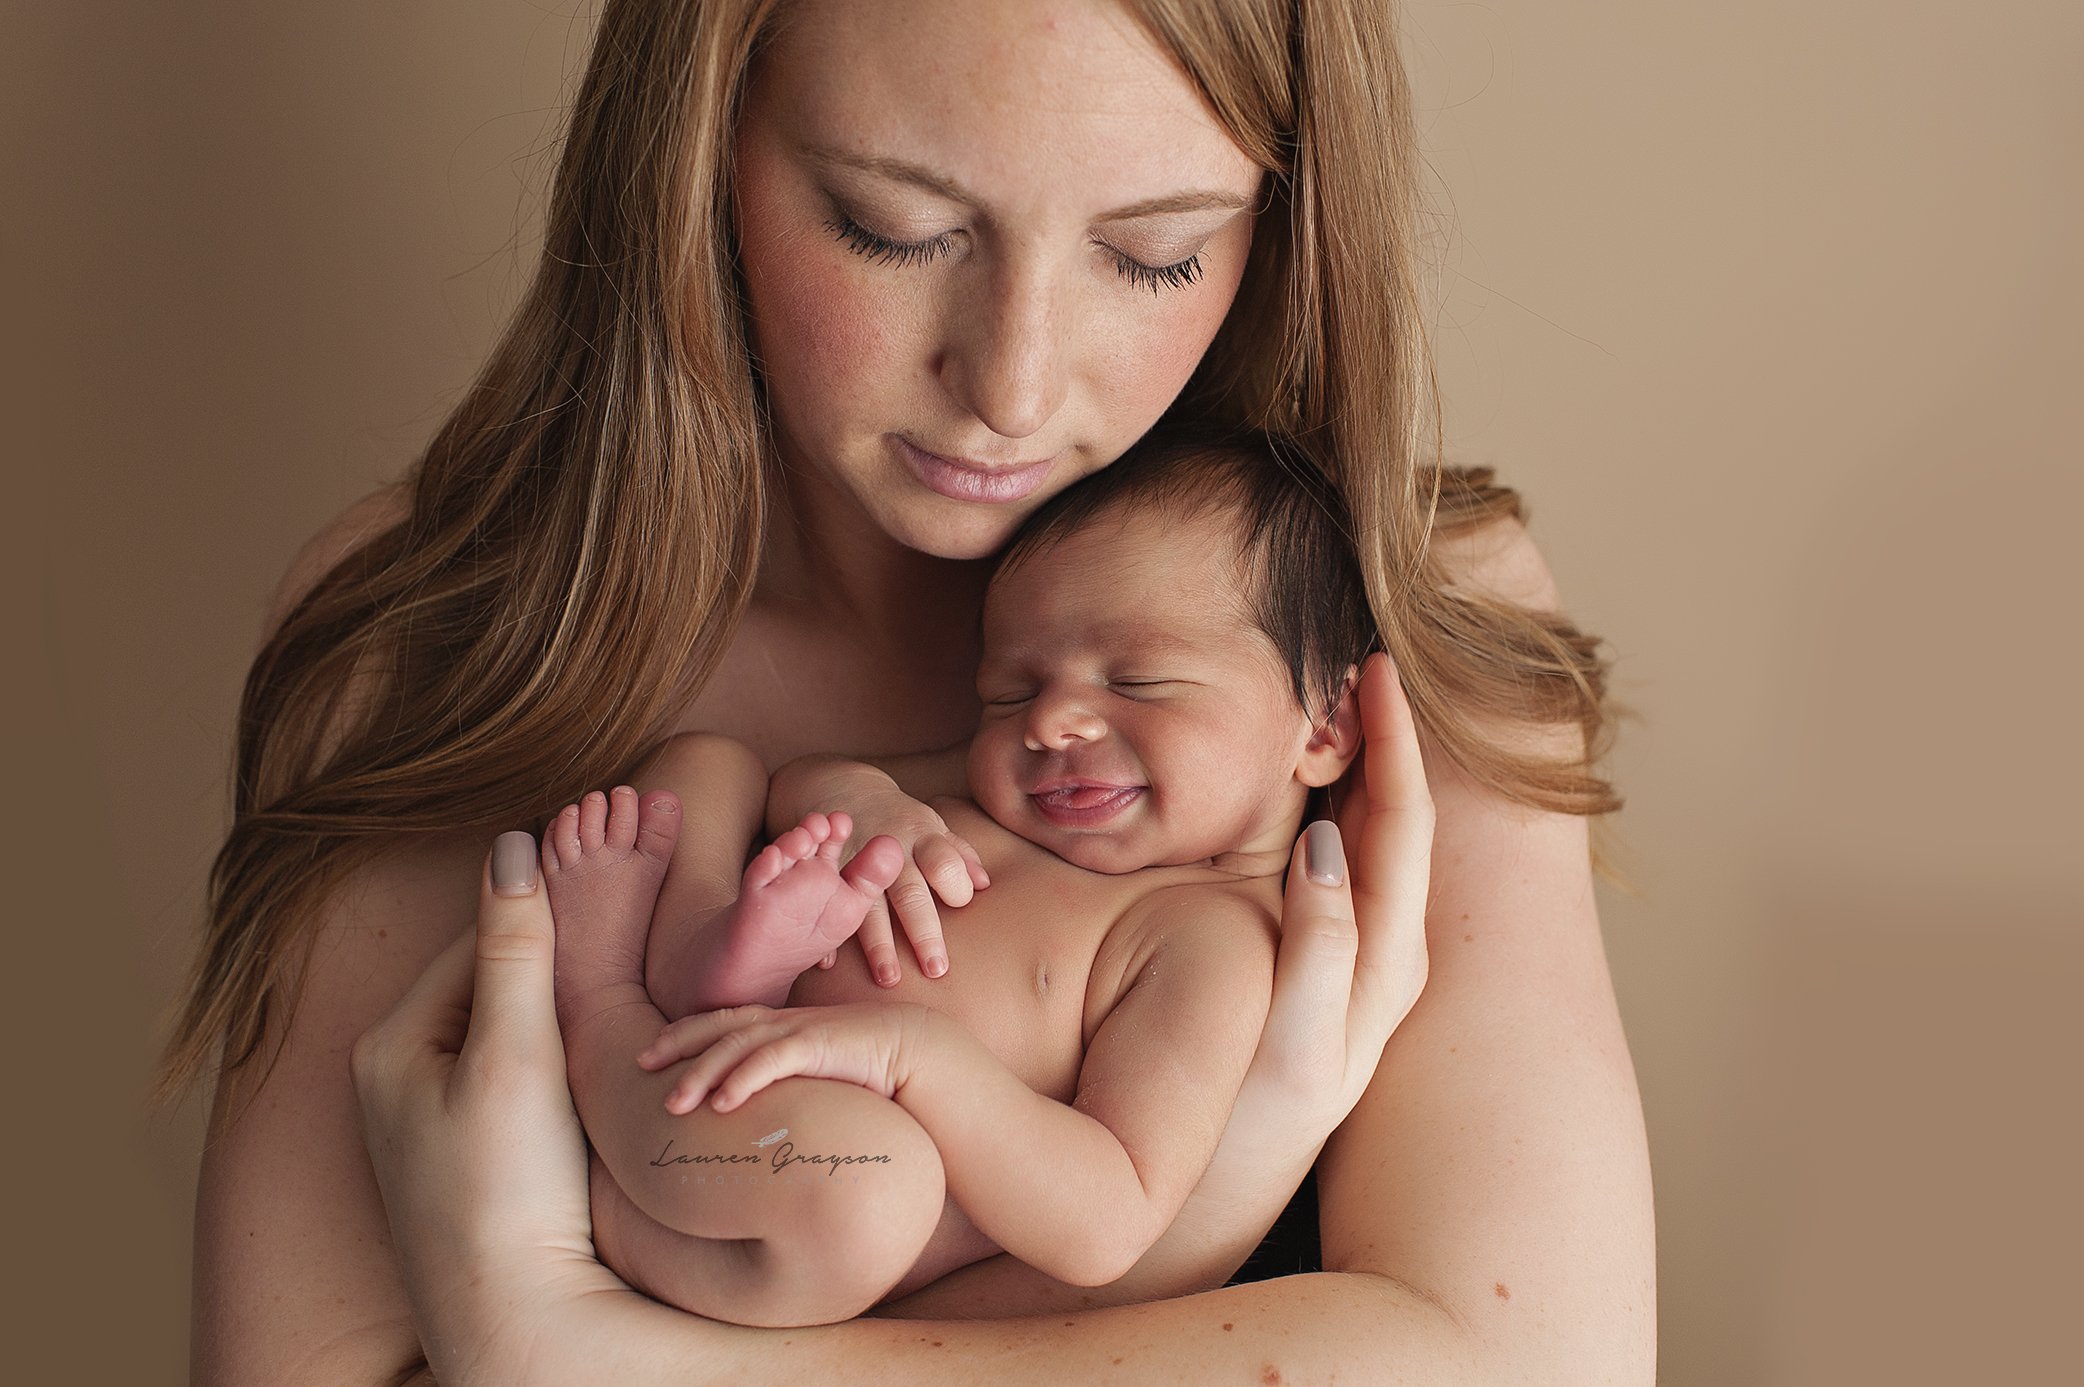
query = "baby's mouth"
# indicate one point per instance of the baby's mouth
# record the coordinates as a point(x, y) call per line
point(1076, 806)
point(1083, 796)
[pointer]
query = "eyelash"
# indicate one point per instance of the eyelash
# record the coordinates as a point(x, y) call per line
point(1116, 684)
point(881, 250)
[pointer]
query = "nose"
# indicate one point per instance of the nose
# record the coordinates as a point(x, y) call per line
point(1059, 721)
point(1005, 356)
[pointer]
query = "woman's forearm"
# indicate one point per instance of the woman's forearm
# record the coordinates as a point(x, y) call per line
point(1351, 1326)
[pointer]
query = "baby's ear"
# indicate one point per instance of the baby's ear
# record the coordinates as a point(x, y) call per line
point(1336, 741)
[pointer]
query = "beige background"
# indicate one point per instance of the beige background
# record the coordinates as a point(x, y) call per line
point(1771, 310)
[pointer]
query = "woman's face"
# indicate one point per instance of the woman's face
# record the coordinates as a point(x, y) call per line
point(984, 246)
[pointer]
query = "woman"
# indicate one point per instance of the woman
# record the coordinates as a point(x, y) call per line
point(833, 295)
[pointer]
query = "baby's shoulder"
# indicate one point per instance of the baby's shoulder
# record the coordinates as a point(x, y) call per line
point(1178, 915)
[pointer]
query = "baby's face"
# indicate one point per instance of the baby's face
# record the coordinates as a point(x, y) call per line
point(1134, 716)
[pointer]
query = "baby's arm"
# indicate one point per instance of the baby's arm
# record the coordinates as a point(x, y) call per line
point(1078, 1192)
point(1081, 1192)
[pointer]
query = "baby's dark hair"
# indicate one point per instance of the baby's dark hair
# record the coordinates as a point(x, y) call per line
point(1301, 580)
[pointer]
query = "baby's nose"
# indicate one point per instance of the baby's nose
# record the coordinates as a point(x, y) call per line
point(1062, 722)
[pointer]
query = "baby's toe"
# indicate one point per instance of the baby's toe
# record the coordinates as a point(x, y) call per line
point(658, 824)
point(564, 832)
point(593, 821)
point(621, 831)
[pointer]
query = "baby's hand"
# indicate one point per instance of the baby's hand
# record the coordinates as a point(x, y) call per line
point(740, 1050)
point(938, 861)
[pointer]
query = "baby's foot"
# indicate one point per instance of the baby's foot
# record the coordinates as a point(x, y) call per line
point(796, 904)
point(603, 860)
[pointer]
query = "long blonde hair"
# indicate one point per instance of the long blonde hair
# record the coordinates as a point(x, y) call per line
point(584, 529)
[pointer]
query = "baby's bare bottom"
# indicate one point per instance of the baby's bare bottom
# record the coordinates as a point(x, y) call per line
point(815, 1225)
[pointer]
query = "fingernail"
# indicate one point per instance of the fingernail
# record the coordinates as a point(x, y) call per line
point(886, 975)
point(513, 864)
point(1324, 857)
point(936, 966)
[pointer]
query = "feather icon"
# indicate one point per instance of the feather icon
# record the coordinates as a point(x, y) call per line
point(772, 1137)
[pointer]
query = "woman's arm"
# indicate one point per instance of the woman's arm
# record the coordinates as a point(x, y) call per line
point(1516, 1088)
point(295, 1277)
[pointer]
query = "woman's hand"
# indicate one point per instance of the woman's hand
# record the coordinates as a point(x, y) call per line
point(1352, 957)
point(476, 1146)
point(938, 861)
point(744, 1049)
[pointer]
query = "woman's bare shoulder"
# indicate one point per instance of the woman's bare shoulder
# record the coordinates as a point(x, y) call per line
point(338, 538)
point(295, 1278)
point(1497, 1165)
point(1499, 559)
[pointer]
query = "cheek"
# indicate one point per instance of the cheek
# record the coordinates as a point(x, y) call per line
point(823, 339)
point(1154, 348)
point(813, 327)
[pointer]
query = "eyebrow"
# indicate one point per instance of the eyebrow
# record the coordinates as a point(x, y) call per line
point(900, 171)
point(1145, 640)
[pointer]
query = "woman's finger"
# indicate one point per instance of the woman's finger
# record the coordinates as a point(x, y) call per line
point(513, 999)
point(1313, 972)
point(1393, 848)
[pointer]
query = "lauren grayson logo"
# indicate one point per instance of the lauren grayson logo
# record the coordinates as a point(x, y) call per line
point(782, 1158)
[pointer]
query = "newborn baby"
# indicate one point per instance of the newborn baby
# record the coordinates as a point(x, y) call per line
point(1169, 650)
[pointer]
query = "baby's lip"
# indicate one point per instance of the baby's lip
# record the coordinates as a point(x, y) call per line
point(1079, 782)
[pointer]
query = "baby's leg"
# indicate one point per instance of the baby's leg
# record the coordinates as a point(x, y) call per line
point(806, 1240)
point(784, 1233)
point(725, 932)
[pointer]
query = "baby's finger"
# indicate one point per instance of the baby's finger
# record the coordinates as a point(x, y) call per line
point(942, 864)
point(778, 1059)
point(828, 960)
point(714, 1064)
point(979, 878)
point(877, 945)
point(691, 1035)
point(911, 901)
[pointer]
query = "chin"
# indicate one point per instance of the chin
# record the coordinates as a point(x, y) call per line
point(1104, 855)
point(977, 535)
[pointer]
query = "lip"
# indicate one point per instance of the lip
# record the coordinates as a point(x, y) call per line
point(1091, 815)
point(962, 480)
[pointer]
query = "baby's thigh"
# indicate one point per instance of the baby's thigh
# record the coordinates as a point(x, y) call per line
point(830, 1164)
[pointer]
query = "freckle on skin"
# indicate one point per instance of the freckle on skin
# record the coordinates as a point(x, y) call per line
point(1230, 1326)
point(1468, 939)
point(1502, 1293)
point(1270, 1375)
